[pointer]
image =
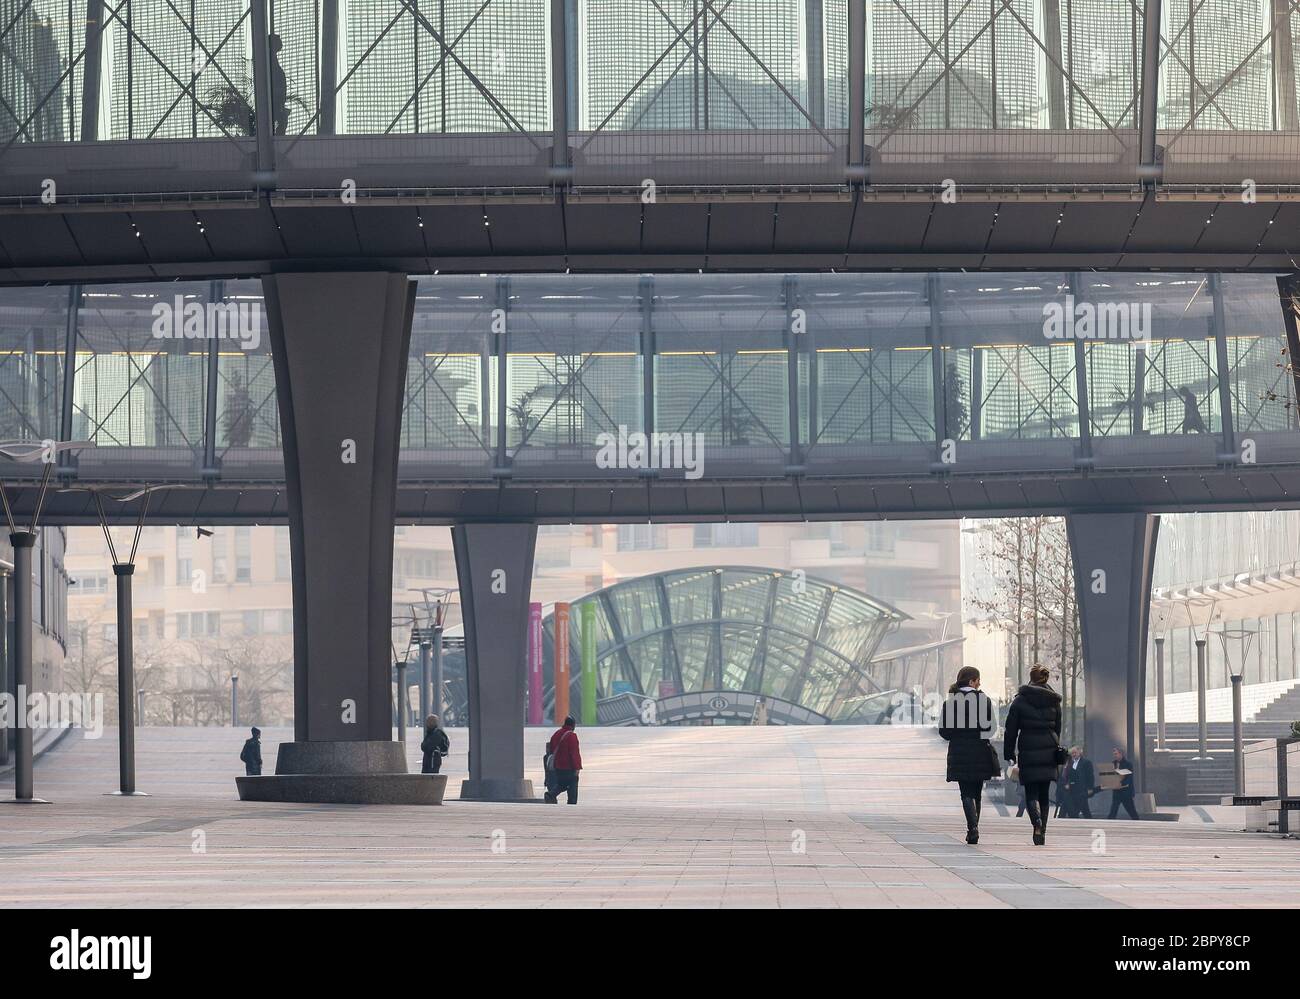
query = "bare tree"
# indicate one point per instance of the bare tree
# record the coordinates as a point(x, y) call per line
point(1033, 598)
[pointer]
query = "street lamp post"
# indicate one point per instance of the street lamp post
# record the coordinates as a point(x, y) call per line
point(426, 647)
point(429, 640)
point(1237, 676)
point(403, 711)
point(234, 700)
point(24, 542)
point(127, 702)
point(437, 663)
point(1202, 733)
point(1160, 695)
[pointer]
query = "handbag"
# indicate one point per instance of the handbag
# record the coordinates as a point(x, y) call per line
point(995, 761)
point(1059, 756)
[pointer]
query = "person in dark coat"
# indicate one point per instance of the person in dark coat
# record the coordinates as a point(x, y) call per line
point(1123, 796)
point(1033, 736)
point(566, 760)
point(251, 754)
point(1078, 784)
point(968, 723)
point(434, 746)
point(1192, 422)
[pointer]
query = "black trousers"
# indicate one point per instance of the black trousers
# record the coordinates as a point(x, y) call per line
point(1124, 798)
point(1076, 803)
point(432, 763)
point(565, 780)
point(1038, 800)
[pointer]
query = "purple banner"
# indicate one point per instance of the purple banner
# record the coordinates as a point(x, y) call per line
point(534, 664)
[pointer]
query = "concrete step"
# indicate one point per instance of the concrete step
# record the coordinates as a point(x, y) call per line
point(1285, 709)
point(1259, 729)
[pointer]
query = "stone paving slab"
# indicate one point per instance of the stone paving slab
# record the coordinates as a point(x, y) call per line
point(858, 838)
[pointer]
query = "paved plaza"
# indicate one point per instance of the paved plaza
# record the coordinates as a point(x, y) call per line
point(715, 817)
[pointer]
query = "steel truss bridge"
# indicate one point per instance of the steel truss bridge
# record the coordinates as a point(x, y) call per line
point(525, 135)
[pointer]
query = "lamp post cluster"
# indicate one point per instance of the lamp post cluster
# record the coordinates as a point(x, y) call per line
point(427, 636)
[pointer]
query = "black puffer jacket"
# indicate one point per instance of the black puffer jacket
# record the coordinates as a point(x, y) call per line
point(1033, 732)
point(968, 722)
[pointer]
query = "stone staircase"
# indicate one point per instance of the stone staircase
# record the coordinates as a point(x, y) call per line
point(1208, 781)
point(1282, 712)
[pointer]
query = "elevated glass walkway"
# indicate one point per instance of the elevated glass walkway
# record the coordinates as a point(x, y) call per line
point(558, 379)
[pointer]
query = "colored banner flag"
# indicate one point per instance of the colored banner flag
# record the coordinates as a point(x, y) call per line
point(535, 664)
point(589, 663)
point(561, 662)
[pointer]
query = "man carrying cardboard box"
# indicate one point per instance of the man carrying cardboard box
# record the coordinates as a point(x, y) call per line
point(1119, 781)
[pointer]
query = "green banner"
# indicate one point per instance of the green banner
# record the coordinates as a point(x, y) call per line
point(589, 662)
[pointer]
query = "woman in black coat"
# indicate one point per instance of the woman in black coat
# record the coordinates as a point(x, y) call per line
point(969, 722)
point(1033, 740)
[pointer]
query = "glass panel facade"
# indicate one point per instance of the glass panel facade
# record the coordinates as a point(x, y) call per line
point(452, 66)
point(869, 337)
point(720, 365)
point(33, 332)
point(1005, 378)
point(545, 373)
point(177, 70)
point(134, 388)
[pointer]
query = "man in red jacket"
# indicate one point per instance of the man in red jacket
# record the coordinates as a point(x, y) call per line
point(566, 761)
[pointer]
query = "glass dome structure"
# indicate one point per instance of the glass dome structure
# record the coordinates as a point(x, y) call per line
point(783, 635)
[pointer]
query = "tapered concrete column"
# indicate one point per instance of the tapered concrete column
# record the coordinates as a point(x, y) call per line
point(340, 344)
point(494, 565)
point(1114, 554)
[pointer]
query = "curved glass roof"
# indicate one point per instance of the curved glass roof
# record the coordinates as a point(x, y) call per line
point(780, 633)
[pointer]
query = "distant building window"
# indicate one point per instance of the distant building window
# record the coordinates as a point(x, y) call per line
point(282, 561)
point(726, 535)
point(881, 538)
point(641, 537)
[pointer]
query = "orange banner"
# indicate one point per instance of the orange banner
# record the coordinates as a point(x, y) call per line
point(561, 661)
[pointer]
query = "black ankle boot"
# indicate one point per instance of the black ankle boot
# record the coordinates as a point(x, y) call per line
point(971, 808)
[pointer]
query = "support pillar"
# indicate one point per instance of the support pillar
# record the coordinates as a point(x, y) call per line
point(1113, 555)
point(1160, 695)
point(856, 170)
point(339, 341)
point(92, 71)
point(403, 712)
point(23, 542)
point(494, 566)
point(426, 647)
point(436, 695)
point(126, 700)
point(6, 657)
point(262, 96)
